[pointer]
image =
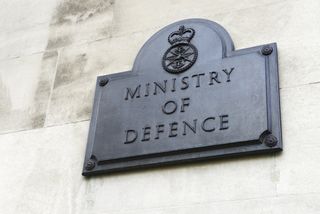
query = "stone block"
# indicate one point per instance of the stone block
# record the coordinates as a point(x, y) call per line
point(19, 15)
point(78, 68)
point(299, 108)
point(280, 22)
point(132, 16)
point(298, 64)
point(24, 42)
point(25, 89)
point(80, 21)
point(183, 185)
point(42, 169)
point(296, 168)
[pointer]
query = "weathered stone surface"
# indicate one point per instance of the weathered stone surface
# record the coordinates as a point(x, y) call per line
point(296, 169)
point(299, 108)
point(25, 89)
point(72, 95)
point(135, 15)
point(280, 22)
point(23, 42)
point(298, 65)
point(42, 170)
point(19, 15)
point(24, 27)
point(80, 21)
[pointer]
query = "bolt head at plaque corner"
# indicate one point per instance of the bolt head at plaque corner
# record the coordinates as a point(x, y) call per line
point(270, 140)
point(103, 82)
point(266, 50)
point(90, 165)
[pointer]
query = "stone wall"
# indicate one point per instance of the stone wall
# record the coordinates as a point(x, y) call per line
point(50, 54)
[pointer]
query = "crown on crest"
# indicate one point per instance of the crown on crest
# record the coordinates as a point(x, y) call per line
point(183, 35)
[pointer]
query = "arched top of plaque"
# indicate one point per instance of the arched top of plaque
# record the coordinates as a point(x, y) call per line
point(184, 45)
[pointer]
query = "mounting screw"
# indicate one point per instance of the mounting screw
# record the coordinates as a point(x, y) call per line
point(90, 165)
point(270, 140)
point(266, 50)
point(103, 82)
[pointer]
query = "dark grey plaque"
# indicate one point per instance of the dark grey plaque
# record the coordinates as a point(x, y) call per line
point(190, 96)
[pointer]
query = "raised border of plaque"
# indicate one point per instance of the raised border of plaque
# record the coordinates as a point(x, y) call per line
point(174, 62)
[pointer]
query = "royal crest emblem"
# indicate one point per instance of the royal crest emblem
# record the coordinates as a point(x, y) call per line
point(181, 55)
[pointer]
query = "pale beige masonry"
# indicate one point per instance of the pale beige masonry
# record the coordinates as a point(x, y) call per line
point(297, 167)
point(44, 173)
point(78, 68)
point(80, 21)
point(156, 14)
point(25, 84)
point(51, 52)
point(23, 42)
point(17, 15)
point(24, 27)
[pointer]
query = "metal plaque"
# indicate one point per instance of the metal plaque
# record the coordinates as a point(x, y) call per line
point(190, 96)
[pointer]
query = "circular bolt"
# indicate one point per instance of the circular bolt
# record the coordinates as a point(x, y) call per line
point(103, 82)
point(270, 140)
point(266, 50)
point(90, 165)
